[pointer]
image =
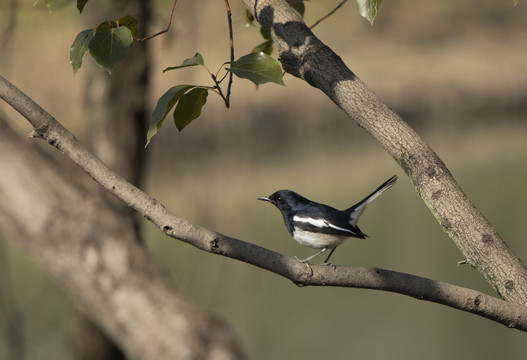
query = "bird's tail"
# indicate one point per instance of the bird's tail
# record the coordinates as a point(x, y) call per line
point(357, 209)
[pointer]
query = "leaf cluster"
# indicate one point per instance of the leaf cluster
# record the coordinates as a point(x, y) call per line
point(110, 42)
point(188, 100)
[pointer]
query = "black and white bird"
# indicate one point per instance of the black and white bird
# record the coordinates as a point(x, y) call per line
point(320, 226)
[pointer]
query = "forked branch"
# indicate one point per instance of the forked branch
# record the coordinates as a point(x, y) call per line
point(303, 55)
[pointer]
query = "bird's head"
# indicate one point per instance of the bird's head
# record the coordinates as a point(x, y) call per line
point(285, 200)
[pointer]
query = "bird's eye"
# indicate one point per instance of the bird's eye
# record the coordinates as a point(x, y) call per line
point(279, 199)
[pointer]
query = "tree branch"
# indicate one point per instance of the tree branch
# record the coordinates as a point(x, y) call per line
point(49, 129)
point(303, 55)
point(91, 252)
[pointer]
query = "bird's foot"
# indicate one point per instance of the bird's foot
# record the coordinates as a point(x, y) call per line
point(305, 261)
point(330, 264)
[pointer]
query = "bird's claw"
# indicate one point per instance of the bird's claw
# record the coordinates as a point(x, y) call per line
point(330, 264)
point(307, 264)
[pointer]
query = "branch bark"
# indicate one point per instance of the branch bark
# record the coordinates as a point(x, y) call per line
point(303, 55)
point(47, 128)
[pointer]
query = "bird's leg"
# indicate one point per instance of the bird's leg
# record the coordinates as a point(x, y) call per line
point(309, 269)
point(318, 253)
point(305, 261)
point(330, 253)
point(326, 261)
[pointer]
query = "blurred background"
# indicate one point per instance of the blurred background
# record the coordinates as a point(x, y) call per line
point(456, 71)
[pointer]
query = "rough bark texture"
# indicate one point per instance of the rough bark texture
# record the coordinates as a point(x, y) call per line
point(305, 56)
point(107, 274)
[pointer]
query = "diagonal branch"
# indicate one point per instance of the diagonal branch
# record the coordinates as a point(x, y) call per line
point(303, 55)
point(91, 251)
point(49, 129)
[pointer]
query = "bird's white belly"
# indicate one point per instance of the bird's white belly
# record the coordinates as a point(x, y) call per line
point(317, 240)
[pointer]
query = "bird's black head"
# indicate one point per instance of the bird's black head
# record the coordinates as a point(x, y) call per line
point(285, 200)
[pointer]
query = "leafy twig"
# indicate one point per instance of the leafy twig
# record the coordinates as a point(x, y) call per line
point(218, 90)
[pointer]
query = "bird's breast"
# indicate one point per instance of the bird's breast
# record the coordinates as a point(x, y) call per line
point(317, 240)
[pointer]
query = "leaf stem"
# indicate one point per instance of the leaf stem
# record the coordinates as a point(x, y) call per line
point(224, 76)
point(164, 30)
point(218, 88)
point(328, 14)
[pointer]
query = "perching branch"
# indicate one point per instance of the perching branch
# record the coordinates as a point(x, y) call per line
point(303, 55)
point(49, 129)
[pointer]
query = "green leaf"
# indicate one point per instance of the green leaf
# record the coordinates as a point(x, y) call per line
point(165, 103)
point(265, 47)
point(130, 22)
point(265, 34)
point(79, 47)
point(110, 44)
point(107, 25)
point(189, 107)
point(248, 17)
point(369, 8)
point(515, 2)
point(259, 67)
point(197, 59)
point(81, 4)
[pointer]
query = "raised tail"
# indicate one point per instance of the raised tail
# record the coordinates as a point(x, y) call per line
point(357, 209)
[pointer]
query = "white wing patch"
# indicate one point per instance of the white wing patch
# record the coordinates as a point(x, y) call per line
point(320, 223)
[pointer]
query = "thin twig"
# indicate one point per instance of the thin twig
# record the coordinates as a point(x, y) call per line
point(231, 44)
point(162, 31)
point(328, 14)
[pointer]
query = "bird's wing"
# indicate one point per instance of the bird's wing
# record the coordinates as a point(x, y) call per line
point(325, 226)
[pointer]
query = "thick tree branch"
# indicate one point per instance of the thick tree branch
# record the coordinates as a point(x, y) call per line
point(109, 276)
point(46, 127)
point(303, 55)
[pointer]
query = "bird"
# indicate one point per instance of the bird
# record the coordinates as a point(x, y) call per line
point(320, 226)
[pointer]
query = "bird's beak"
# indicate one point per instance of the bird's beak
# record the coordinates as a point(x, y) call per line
point(264, 198)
